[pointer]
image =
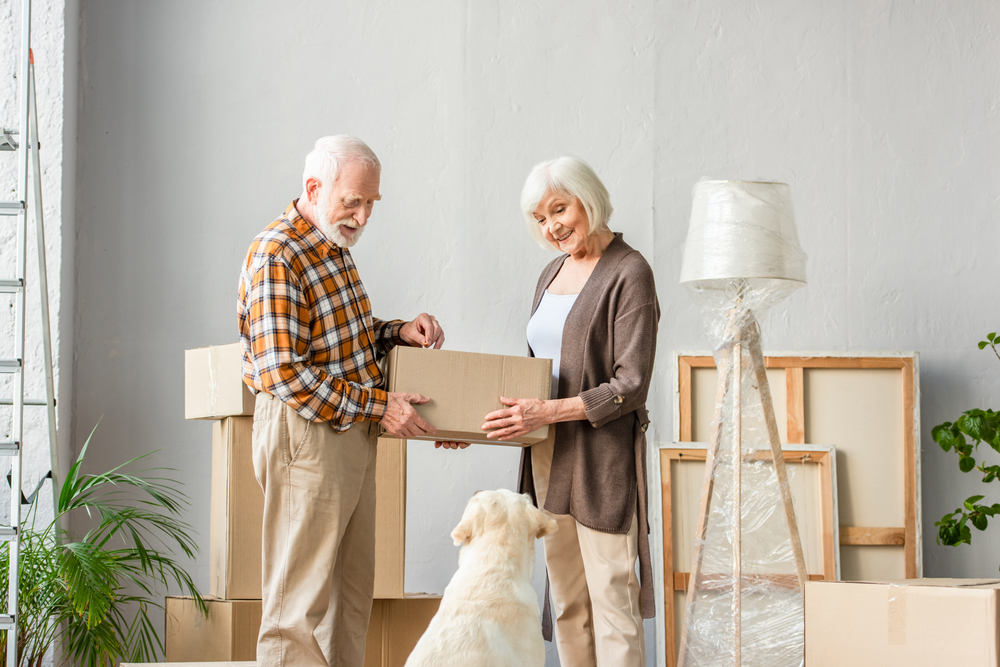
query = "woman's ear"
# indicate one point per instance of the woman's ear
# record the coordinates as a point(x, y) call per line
point(470, 525)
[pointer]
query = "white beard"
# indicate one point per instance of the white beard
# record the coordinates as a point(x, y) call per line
point(331, 228)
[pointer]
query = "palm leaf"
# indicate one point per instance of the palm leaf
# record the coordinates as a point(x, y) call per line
point(95, 592)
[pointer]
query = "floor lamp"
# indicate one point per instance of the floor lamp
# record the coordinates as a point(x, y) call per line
point(745, 593)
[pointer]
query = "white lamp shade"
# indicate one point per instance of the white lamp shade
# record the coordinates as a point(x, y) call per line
point(742, 229)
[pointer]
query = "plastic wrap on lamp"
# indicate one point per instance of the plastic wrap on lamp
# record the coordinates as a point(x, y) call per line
point(772, 604)
point(745, 602)
point(742, 229)
point(742, 248)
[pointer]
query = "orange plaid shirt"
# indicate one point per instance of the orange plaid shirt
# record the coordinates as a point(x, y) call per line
point(306, 326)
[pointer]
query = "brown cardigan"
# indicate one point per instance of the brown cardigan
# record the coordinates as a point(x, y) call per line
point(598, 470)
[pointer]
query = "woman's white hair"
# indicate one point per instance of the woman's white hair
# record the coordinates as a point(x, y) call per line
point(572, 177)
point(331, 153)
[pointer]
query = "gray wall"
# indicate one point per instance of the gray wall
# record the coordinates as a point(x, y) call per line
point(194, 119)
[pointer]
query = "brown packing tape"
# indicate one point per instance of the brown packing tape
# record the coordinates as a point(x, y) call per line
point(896, 615)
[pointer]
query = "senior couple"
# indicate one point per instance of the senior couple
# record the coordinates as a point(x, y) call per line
point(311, 351)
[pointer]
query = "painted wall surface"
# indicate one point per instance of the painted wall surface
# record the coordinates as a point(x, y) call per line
point(195, 117)
point(53, 73)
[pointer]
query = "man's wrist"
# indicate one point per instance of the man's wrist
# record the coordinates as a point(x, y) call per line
point(378, 401)
point(394, 333)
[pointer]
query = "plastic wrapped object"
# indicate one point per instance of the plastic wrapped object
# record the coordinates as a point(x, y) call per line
point(742, 248)
point(745, 597)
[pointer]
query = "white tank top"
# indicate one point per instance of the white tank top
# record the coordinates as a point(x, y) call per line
point(545, 330)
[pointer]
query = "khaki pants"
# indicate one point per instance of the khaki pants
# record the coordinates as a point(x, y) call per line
point(595, 591)
point(319, 538)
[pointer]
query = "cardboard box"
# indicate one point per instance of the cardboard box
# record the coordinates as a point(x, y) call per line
point(229, 633)
point(395, 628)
point(213, 383)
point(237, 513)
point(390, 518)
point(915, 622)
point(465, 386)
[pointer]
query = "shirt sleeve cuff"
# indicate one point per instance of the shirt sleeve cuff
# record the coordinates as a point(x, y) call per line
point(378, 401)
point(392, 337)
point(600, 403)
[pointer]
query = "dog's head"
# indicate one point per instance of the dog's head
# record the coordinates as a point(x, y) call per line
point(512, 514)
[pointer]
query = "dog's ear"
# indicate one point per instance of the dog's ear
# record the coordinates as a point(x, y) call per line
point(546, 525)
point(470, 525)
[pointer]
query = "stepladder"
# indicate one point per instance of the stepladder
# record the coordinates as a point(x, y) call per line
point(24, 142)
point(745, 594)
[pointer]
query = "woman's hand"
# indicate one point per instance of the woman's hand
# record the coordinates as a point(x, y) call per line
point(522, 417)
point(448, 444)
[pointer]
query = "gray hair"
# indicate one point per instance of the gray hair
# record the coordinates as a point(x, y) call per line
point(570, 176)
point(331, 153)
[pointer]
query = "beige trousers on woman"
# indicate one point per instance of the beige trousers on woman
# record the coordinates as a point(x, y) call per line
point(319, 538)
point(595, 591)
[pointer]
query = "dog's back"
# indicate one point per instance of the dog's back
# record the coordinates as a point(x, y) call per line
point(489, 613)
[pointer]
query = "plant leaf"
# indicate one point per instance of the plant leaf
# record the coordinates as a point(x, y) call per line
point(947, 436)
point(971, 501)
point(973, 423)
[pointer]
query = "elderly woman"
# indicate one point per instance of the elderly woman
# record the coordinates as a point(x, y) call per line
point(595, 315)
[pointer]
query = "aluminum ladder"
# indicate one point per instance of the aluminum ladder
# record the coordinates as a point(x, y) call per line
point(13, 449)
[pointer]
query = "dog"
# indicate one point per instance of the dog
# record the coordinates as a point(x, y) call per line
point(489, 613)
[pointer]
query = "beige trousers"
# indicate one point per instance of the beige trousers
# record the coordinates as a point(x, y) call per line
point(595, 590)
point(319, 538)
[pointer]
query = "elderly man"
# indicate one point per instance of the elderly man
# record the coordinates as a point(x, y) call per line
point(310, 353)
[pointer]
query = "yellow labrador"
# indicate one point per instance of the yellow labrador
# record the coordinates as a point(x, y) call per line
point(489, 613)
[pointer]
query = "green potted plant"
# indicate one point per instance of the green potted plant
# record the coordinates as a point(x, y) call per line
point(979, 426)
point(95, 593)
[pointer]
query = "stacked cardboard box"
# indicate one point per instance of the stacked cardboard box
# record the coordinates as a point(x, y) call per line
point(214, 389)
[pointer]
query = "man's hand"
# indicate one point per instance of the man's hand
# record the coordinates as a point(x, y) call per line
point(402, 420)
point(424, 331)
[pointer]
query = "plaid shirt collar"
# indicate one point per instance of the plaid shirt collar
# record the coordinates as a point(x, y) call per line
point(311, 234)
